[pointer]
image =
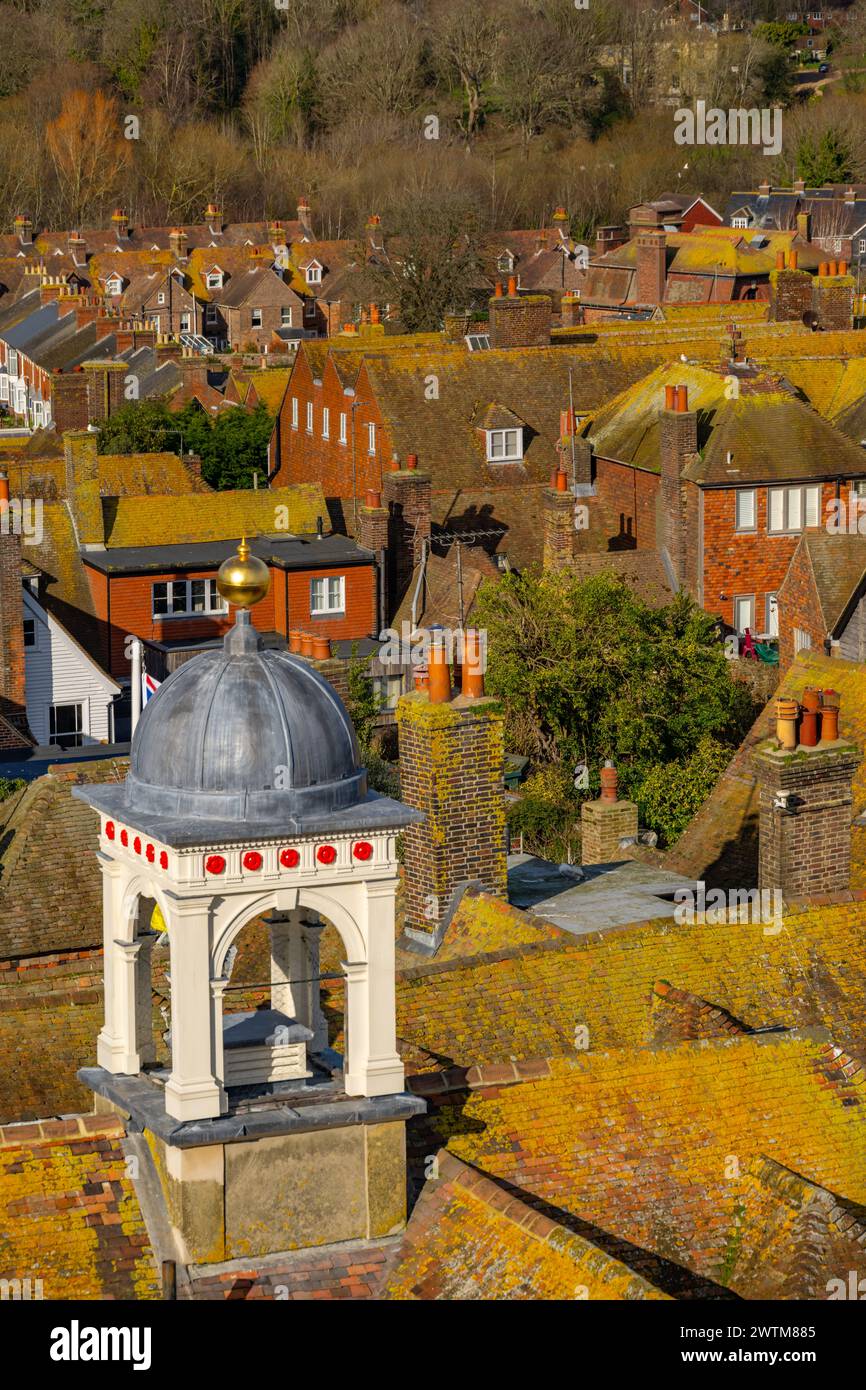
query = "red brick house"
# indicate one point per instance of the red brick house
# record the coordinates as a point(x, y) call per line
point(822, 599)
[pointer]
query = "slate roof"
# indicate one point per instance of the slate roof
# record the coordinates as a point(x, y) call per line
point(838, 565)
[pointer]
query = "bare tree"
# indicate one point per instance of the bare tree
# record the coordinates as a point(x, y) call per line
point(465, 40)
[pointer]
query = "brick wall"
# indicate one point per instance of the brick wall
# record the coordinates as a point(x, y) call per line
point(651, 266)
point(13, 698)
point(679, 440)
point(627, 496)
point(451, 768)
point(790, 295)
point(833, 301)
point(807, 851)
point(520, 320)
point(560, 536)
point(799, 607)
point(105, 388)
point(70, 407)
point(407, 496)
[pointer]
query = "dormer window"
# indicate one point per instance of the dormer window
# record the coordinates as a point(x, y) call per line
point(504, 446)
point(505, 262)
point(114, 285)
point(313, 273)
point(214, 280)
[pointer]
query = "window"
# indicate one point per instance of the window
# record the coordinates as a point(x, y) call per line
point(744, 613)
point(4, 388)
point(746, 511)
point(328, 595)
point(309, 417)
point(326, 423)
point(294, 412)
point(861, 246)
point(286, 316)
point(160, 298)
point(65, 726)
point(772, 628)
point(343, 426)
point(206, 598)
point(214, 280)
point(181, 597)
point(792, 508)
point(371, 439)
point(211, 314)
point(169, 598)
point(505, 262)
point(309, 311)
point(30, 632)
point(739, 222)
point(802, 640)
point(185, 323)
point(504, 446)
point(256, 318)
point(314, 275)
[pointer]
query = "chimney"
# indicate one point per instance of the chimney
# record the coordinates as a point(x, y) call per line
point(374, 233)
point(177, 240)
point(850, 197)
point(799, 185)
point(519, 320)
point(120, 223)
point(804, 226)
point(82, 487)
point(764, 189)
point(832, 296)
point(407, 498)
point(214, 219)
point(609, 238)
point(304, 217)
point(805, 803)
point(790, 292)
point(105, 389)
point(13, 690)
point(571, 310)
point(277, 232)
point(452, 752)
point(679, 445)
point(76, 245)
point(371, 532)
point(606, 822)
point(24, 229)
point(651, 271)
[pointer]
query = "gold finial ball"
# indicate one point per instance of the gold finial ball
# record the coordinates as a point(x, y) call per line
point(243, 579)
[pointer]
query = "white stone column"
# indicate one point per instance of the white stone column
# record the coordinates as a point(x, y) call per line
point(193, 1091)
point(145, 941)
point(116, 1045)
point(217, 990)
point(373, 1067)
point(295, 970)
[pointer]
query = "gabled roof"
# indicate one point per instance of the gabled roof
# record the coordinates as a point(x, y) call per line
point(838, 564)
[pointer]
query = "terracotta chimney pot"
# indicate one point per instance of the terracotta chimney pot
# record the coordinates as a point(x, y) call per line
point(512, 286)
point(824, 268)
point(374, 313)
point(792, 260)
point(786, 723)
point(561, 480)
point(374, 499)
point(809, 718)
point(608, 782)
point(833, 268)
point(843, 267)
point(472, 672)
point(497, 292)
point(670, 398)
point(411, 461)
point(829, 716)
point(780, 260)
point(439, 673)
point(682, 399)
point(4, 492)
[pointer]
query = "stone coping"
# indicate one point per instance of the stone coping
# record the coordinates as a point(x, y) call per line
point(143, 1102)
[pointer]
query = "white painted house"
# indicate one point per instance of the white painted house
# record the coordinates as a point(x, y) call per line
point(69, 697)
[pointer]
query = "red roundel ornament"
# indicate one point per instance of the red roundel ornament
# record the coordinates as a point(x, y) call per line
point(326, 854)
point(363, 850)
point(136, 844)
point(252, 859)
point(109, 830)
point(124, 838)
point(163, 859)
point(289, 858)
point(150, 854)
point(215, 864)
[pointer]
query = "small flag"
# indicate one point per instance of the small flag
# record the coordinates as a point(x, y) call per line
point(149, 687)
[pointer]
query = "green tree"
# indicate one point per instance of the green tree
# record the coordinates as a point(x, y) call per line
point(781, 34)
point(141, 427)
point(232, 447)
point(773, 73)
point(824, 158)
point(587, 671)
point(671, 793)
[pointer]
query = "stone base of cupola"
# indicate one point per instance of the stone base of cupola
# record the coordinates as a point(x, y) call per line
point(276, 1177)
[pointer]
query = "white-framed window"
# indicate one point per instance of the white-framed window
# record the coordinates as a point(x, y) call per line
point(286, 316)
point(746, 509)
point(744, 613)
point(740, 222)
point(837, 243)
point(66, 725)
point(802, 640)
point(343, 427)
point(256, 318)
point(309, 417)
point(214, 280)
point(328, 595)
point(772, 628)
point(504, 446)
point(160, 298)
point(294, 412)
point(13, 362)
point(30, 632)
point(314, 275)
point(211, 313)
point(185, 323)
point(205, 597)
point(793, 508)
point(505, 262)
point(169, 597)
point(4, 388)
point(182, 597)
point(861, 246)
point(371, 438)
point(326, 423)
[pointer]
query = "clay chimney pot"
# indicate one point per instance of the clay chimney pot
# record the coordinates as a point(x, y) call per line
point(670, 397)
point(682, 399)
point(609, 782)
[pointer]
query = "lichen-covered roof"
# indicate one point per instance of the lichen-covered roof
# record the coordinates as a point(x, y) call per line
point(142, 521)
point(69, 1215)
point(468, 1239)
point(838, 564)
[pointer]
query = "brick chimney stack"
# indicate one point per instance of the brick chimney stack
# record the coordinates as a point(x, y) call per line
point(519, 320)
point(607, 821)
point(805, 801)
point(305, 219)
point(82, 487)
point(13, 692)
point(679, 446)
point(407, 497)
point(76, 245)
point(120, 223)
point(651, 271)
point(452, 755)
point(24, 229)
point(177, 239)
point(214, 219)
